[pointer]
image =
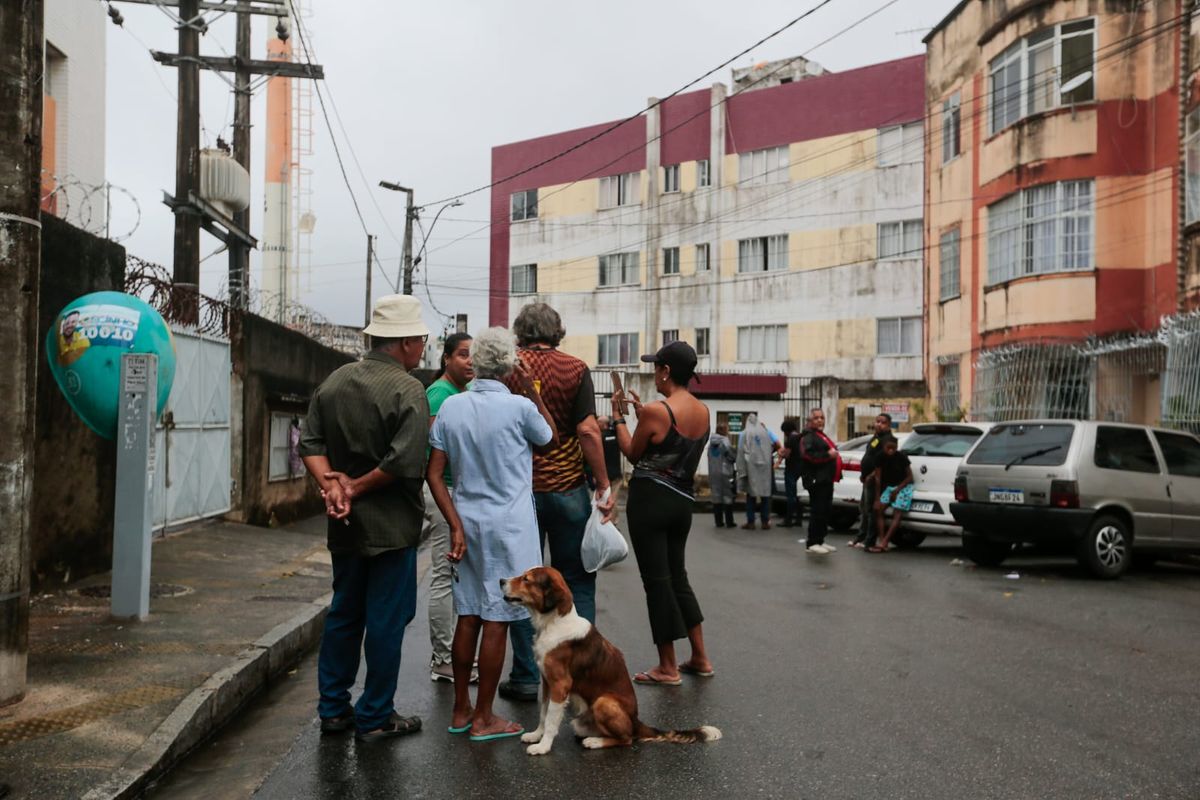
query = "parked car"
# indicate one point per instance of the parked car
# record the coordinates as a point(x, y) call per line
point(847, 491)
point(935, 450)
point(1106, 491)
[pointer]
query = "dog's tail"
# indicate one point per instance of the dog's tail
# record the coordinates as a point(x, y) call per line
point(705, 733)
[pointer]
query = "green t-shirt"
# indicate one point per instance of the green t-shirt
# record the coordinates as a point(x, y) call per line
point(437, 393)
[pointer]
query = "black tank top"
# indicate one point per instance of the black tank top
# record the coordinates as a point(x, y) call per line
point(673, 461)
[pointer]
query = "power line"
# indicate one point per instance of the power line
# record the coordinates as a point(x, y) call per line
point(650, 107)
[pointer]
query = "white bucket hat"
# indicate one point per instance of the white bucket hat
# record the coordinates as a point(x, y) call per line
point(396, 316)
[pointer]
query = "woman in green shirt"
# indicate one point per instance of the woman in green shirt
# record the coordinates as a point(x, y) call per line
point(452, 377)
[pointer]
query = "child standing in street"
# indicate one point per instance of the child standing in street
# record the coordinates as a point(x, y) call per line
point(894, 488)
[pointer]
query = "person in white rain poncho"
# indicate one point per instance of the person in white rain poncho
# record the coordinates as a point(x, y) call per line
point(755, 461)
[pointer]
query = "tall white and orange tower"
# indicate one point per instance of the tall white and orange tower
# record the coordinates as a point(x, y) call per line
point(277, 280)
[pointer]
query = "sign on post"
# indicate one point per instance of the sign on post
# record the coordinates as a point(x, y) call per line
point(132, 516)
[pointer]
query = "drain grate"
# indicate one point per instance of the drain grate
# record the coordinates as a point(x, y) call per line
point(97, 648)
point(159, 590)
point(281, 598)
point(75, 716)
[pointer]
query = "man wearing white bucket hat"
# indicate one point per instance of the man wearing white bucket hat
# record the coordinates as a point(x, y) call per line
point(364, 443)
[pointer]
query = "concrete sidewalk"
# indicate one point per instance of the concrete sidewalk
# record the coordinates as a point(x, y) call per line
point(111, 704)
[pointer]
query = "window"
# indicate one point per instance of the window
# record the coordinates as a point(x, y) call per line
point(1192, 165)
point(618, 348)
point(1042, 229)
point(703, 264)
point(620, 269)
point(1028, 77)
point(523, 279)
point(1030, 445)
point(942, 444)
point(762, 343)
point(901, 144)
point(951, 128)
point(524, 205)
point(703, 173)
point(1124, 449)
point(898, 336)
point(671, 179)
point(670, 335)
point(763, 254)
point(1181, 452)
point(759, 167)
point(620, 190)
point(284, 460)
point(702, 345)
point(670, 261)
point(949, 393)
point(948, 265)
point(900, 239)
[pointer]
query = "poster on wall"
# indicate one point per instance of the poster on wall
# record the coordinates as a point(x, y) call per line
point(898, 411)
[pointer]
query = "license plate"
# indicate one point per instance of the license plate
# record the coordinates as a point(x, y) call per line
point(922, 506)
point(1013, 496)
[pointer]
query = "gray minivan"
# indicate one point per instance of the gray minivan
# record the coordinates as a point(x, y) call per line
point(1100, 488)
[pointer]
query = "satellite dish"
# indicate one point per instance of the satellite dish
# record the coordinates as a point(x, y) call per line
point(1075, 83)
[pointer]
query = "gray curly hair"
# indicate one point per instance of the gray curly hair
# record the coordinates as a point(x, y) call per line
point(494, 353)
point(538, 323)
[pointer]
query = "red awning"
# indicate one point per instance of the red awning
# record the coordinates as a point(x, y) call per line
point(726, 384)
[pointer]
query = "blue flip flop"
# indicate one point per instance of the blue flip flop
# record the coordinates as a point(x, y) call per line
point(501, 735)
point(463, 729)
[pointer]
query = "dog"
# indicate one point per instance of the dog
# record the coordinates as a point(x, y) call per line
point(580, 665)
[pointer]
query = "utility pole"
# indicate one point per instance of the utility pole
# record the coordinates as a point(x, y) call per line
point(370, 260)
point(21, 67)
point(239, 253)
point(187, 163)
point(410, 215)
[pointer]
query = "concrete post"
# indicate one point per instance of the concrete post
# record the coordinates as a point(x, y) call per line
point(650, 216)
point(21, 64)
point(133, 511)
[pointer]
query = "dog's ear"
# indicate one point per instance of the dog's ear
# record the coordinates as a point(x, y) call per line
point(549, 592)
point(562, 593)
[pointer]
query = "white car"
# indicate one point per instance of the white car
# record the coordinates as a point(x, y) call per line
point(935, 450)
point(846, 492)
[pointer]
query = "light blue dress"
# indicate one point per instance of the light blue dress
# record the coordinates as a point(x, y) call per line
point(488, 434)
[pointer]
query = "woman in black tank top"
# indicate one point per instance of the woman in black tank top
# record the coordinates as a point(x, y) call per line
point(660, 506)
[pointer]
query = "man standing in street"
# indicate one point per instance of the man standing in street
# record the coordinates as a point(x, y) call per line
point(821, 468)
point(560, 493)
point(364, 443)
point(867, 532)
point(791, 473)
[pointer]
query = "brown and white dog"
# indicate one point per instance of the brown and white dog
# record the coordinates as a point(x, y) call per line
point(580, 665)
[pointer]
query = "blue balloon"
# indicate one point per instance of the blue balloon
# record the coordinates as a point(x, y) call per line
point(84, 347)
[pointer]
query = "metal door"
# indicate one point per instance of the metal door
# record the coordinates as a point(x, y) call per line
point(192, 440)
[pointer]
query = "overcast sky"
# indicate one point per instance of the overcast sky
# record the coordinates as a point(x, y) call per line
point(425, 90)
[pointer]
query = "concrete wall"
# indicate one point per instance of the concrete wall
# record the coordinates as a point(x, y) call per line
point(275, 370)
point(73, 467)
point(77, 29)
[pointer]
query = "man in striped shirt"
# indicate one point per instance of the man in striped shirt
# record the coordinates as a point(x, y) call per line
point(560, 493)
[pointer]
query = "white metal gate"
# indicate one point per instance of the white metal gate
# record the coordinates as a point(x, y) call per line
point(192, 441)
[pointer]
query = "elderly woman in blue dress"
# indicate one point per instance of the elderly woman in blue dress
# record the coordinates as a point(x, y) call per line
point(488, 436)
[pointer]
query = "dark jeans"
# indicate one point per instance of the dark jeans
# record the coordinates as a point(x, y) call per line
point(820, 496)
point(562, 517)
point(764, 506)
point(867, 530)
point(793, 500)
point(723, 513)
point(376, 595)
point(659, 522)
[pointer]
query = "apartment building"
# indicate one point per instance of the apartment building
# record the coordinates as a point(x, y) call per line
point(777, 228)
point(1056, 278)
point(73, 113)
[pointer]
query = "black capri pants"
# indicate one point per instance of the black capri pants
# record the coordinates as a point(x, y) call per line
point(659, 522)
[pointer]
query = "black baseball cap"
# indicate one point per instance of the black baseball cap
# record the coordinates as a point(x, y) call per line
point(678, 356)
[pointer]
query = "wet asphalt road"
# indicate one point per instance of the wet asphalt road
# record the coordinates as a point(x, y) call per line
point(849, 676)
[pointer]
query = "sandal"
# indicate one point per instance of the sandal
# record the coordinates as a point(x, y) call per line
point(513, 729)
point(646, 679)
point(688, 669)
point(876, 549)
point(395, 726)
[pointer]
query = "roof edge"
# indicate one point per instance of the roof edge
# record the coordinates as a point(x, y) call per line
point(945, 21)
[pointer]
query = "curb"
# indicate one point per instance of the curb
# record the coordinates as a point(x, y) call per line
point(214, 702)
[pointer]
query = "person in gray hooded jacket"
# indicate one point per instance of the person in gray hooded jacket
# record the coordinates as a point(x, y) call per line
point(720, 476)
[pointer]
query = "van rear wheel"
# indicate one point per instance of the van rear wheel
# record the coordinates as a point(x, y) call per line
point(1106, 550)
point(984, 551)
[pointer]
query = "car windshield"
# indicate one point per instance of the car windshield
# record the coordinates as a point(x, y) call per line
point(940, 443)
point(1029, 445)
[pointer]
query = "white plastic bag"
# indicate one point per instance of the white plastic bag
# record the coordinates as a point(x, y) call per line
point(603, 545)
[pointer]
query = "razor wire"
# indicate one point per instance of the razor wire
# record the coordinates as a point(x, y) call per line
point(75, 201)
